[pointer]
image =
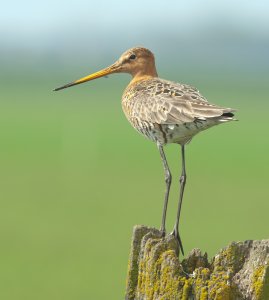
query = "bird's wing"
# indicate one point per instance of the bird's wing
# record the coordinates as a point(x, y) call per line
point(166, 102)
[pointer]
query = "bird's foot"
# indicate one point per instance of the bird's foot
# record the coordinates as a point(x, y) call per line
point(178, 239)
point(188, 275)
point(163, 231)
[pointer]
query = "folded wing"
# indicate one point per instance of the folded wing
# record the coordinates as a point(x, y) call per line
point(166, 102)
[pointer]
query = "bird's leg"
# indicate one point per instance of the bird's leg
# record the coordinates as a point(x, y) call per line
point(168, 180)
point(182, 181)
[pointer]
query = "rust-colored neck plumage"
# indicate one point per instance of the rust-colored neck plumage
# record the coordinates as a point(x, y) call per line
point(144, 71)
point(143, 76)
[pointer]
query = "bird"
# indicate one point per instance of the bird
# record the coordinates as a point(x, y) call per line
point(163, 111)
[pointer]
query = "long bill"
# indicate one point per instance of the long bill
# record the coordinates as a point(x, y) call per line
point(109, 70)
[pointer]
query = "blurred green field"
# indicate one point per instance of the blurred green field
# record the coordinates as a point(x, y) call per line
point(75, 179)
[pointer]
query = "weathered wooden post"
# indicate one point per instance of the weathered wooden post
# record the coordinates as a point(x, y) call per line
point(239, 271)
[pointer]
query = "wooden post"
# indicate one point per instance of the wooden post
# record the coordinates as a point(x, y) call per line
point(239, 271)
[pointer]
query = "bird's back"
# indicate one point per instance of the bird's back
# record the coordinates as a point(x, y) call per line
point(170, 112)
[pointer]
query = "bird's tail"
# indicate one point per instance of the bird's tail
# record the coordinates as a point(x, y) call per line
point(227, 116)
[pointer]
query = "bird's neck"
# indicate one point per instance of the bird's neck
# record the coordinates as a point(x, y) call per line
point(140, 78)
point(144, 75)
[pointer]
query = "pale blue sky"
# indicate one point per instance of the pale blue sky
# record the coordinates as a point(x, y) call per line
point(58, 29)
point(43, 20)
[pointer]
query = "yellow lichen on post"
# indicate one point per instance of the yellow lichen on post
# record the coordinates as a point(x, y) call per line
point(200, 285)
point(133, 265)
point(220, 283)
point(159, 272)
point(260, 282)
point(239, 271)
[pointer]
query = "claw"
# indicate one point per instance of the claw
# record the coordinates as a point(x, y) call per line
point(163, 232)
point(177, 236)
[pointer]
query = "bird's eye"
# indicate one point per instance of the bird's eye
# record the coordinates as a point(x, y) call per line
point(133, 56)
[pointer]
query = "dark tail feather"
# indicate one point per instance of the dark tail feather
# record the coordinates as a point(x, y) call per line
point(228, 115)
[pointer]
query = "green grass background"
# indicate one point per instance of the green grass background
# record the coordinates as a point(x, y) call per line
point(75, 178)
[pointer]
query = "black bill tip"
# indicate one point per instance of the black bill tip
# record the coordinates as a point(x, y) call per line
point(65, 86)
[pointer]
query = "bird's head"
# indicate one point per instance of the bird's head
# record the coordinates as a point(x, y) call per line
point(137, 61)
